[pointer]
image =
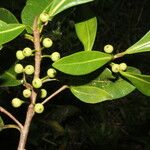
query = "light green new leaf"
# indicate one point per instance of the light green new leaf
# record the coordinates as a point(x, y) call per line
point(141, 82)
point(117, 88)
point(9, 31)
point(8, 78)
point(86, 32)
point(143, 45)
point(33, 9)
point(90, 94)
point(59, 6)
point(82, 63)
point(7, 16)
point(1, 124)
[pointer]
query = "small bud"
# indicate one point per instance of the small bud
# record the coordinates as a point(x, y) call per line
point(27, 93)
point(18, 68)
point(44, 17)
point(39, 108)
point(37, 83)
point(16, 102)
point(55, 56)
point(43, 93)
point(123, 66)
point(29, 69)
point(108, 48)
point(115, 68)
point(47, 42)
point(19, 55)
point(27, 52)
point(51, 72)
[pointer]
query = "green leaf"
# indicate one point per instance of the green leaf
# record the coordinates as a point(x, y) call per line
point(116, 87)
point(90, 94)
point(9, 32)
point(86, 32)
point(7, 16)
point(141, 82)
point(143, 45)
point(1, 124)
point(82, 63)
point(8, 78)
point(59, 6)
point(33, 9)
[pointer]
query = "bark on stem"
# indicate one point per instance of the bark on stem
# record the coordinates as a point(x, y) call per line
point(30, 111)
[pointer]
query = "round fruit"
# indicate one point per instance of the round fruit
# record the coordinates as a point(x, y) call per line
point(29, 69)
point(55, 56)
point(51, 72)
point(37, 83)
point(19, 55)
point(27, 93)
point(108, 48)
point(123, 66)
point(16, 102)
point(44, 17)
point(39, 108)
point(43, 93)
point(47, 42)
point(18, 68)
point(115, 68)
point(27, 52)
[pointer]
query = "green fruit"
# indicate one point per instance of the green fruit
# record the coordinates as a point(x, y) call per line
point(44, 17)
point(27, 52)
point(18, 68)
point(27, 93)
point(47, 42)
point(43, 93)
point(19, 55)
point(55, 56)
point(16, 102)
point(39, 108)
point(108, 48)
point(37, 83)
point(29, 69)
point(123, 66)
point(51, 72)
point(115, 68)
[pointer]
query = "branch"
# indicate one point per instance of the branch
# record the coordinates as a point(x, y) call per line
point(11, 116)
point(55, 93)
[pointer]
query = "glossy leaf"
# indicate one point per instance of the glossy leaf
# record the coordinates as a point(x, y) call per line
point(86, 32)
point(116, 87)
point(82, 63)
point(90, 94)
point(7, 16)
point(59, 6)
point(141, 82)
point(8, 78)
point(33, 9)
point(143, 45)
point(9, 32)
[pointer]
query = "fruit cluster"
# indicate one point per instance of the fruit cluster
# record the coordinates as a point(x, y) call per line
point(36, 83)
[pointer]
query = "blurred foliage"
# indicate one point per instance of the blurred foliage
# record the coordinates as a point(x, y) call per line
point(68, 124)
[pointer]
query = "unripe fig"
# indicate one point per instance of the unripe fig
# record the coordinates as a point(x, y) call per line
point(115, 68)
point(44, 17)
point(51, 72)
point(16, 102)
point(47, 42)
point(37, 83)
point(43, 93)
point(19, 55)
point(29, 69)
point(39, 108)
point(123, 66)
point(108, 48)
point(18, 68)
point(55, 56)
point(27, 93)
point(27, 52)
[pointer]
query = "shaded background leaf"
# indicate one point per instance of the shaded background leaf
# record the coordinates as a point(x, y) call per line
point(86, 32)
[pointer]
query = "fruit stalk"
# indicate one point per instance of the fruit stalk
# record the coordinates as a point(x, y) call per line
point(30, 112)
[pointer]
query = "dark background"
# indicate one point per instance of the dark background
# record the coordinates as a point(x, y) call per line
point(67, 123)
